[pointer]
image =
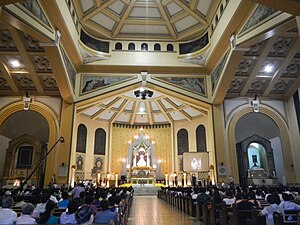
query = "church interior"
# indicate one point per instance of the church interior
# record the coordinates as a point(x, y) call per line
point(149, 92)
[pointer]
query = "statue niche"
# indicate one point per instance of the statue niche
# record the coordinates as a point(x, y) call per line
point(142, 167)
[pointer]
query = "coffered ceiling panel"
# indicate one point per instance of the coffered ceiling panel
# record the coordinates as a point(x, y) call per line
point(137, 19)
point(268, 68)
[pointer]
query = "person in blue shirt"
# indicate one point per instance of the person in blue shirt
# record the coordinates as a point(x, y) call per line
point(105, 216)
point(63, 204)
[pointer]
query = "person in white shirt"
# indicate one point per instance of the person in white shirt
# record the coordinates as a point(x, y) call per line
point(26, 218)
point(7, 215)
point(286, 204)
point(268, 211)
point(229, 199)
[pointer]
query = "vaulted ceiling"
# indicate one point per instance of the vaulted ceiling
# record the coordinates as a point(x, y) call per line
point(129, 109)
point(146, 19)
point(244, 73)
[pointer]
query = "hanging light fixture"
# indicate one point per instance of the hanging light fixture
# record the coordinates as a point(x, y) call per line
point(143, 92)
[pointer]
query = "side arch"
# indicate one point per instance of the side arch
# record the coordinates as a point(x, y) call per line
point(284, 136)
point(51, 119)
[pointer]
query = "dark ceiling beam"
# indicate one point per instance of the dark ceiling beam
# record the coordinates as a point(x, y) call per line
point(8, 2)
point(289, 6)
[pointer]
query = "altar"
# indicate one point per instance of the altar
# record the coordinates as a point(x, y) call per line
point(142, 166)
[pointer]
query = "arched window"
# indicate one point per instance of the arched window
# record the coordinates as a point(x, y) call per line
point(221, 9)
point(131, 46)
point(216, 19)
point(81, 138)
point(100, 141)
point(25, 153)
point(118, 46)
point(182, 141)
point(170, 48)
point(157, 47)
point(144, 47)
point(201, 139)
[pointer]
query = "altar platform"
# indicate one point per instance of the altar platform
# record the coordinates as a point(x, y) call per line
point(145, 189)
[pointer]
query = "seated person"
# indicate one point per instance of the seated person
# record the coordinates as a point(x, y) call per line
point(105, 216)
point(268, 211)
point(63, 203)
point(84, 215)
point(7, 215)
point(41, 207)
point(287, 203)
point(25, 217)
point(47, 217)
point(68, 217)
point(229, 199)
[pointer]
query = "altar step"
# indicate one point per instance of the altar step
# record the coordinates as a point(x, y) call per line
point(145, 191)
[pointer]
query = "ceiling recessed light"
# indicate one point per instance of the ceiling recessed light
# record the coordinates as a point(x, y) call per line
point(15, 63)
point(141, 110)
point(268, 68)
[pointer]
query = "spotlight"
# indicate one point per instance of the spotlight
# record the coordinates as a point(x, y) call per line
point(143, 94)
point(255, 104)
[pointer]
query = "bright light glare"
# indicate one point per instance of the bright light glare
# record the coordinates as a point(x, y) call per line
point(268, 68)
point(142, 89)
point(142, 110)
point(15, 63)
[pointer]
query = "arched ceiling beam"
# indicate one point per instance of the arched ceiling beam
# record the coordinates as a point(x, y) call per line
point(123, 18)
point(120, 110)
point(135, 109)
point(160, 106)
point(200, 18)
point(166, 19)
point(97, 10)
point(149, 113)
point(257, 67)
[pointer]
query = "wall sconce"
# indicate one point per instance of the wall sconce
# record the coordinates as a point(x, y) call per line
point(26, 100)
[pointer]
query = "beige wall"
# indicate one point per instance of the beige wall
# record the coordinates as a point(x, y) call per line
point(163, 146)
point(91, 126)
point(294, 136)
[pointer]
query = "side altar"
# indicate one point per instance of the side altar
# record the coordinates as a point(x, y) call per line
point(142, 166)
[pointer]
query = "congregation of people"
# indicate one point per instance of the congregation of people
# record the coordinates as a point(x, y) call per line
point(266, 200)
point(80, 205)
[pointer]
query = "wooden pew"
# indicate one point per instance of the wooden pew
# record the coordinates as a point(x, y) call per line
point(289, 217)
point(251, 217)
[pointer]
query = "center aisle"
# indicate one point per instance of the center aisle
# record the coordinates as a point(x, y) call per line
point(149, 210)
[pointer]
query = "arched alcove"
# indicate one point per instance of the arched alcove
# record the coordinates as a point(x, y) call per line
point(40, 121)
point(255, 123)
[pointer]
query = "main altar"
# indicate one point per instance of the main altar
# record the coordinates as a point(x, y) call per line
point(142, 167)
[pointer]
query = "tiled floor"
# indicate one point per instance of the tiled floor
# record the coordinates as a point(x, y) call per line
point(149, 210)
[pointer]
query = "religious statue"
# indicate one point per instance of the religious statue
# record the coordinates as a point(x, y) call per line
point(141, 161)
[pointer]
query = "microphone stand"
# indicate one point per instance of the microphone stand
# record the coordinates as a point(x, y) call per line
point(61, 140)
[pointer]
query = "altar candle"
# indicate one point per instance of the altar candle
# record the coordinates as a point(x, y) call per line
point(184, 179)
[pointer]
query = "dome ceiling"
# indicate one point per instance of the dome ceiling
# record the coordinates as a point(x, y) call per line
point(128, 109)
point(145, 19)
